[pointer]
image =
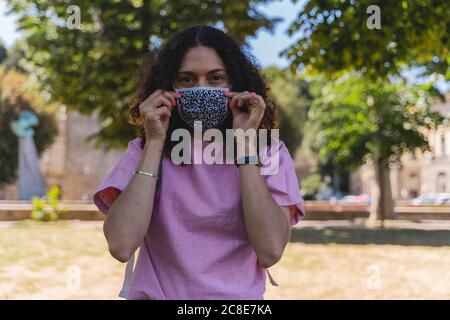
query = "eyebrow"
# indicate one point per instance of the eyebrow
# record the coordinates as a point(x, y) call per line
point(209, 72)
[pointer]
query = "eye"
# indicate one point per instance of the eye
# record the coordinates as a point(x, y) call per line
point(217, 78)
point(185, 80)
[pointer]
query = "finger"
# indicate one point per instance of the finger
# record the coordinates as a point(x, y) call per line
point(160, 111)
point(162, 100)
point(171, 96)
point(230, 94)
point(246, 98)
point(257, 96)
point(234, 100)
point(261, 102)
point(253, 101)
point(157, 102)
point(156, 114)
point(165, 113)
point(176, 95)
point(243, 94)
point(234, 111)
point(152, 96)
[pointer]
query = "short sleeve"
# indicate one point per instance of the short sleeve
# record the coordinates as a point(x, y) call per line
point(281, 179)
point(118, 178)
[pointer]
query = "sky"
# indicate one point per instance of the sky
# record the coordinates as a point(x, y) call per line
point(8, 33)
point(265, 46)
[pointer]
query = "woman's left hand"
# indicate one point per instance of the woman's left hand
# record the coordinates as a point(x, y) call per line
point(255, 105)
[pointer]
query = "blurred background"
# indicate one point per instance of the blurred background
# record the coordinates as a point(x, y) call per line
point(362, 89)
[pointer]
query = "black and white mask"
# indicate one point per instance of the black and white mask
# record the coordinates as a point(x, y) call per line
point(206, 104)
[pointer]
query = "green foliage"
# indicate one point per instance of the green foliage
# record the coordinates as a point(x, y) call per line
point(93, 68)
point(14, 59)
point(311, 186)
point(292, 96)
point(353, 119)
point(334, 37)
point(48, 207)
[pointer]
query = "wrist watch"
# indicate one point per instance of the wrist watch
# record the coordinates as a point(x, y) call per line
point(247, 160)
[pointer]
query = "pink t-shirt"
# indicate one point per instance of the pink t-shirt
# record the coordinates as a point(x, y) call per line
point(196, 246)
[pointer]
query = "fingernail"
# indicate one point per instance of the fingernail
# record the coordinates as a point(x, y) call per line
point(178, 94)
point(226, 92)
point(253, 93)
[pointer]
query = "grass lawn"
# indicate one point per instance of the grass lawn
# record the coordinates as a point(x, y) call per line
point(70, 260)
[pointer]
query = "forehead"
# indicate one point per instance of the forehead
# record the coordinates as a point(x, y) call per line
point(201, 60)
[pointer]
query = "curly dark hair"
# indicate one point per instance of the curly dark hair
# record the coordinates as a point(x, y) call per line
point(243, 72)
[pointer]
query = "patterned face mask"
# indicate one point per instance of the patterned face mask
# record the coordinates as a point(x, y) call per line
point(206, 104)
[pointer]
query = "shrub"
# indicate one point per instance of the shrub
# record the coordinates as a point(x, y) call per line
point(48, 207)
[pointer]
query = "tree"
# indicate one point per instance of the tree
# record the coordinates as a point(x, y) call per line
point(354, 121)
point(294, 95)
point(291, 94)
point(343, 40)
point(92, 68)
point(13, 100)
point(336, 36)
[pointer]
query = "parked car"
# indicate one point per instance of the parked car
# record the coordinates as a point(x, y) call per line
point(426, 198)
point(443, 199)
point(432, 198)
point(355, 199)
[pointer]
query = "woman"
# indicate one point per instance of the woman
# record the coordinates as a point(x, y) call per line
point(205, 231)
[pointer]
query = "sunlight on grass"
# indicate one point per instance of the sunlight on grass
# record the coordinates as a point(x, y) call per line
point(344, 263)
point(36, 258)
point(36, 261)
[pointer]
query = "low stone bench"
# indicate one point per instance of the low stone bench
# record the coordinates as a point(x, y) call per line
point(11, 210)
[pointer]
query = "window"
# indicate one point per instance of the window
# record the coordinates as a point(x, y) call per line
point(442, 182)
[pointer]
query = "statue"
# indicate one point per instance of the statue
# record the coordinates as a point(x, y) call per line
point(31, 180)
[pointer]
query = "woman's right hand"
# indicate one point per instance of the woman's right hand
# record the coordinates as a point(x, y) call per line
point(155, 112)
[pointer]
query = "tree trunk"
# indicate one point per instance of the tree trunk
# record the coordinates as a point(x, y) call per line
point(382, 204)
